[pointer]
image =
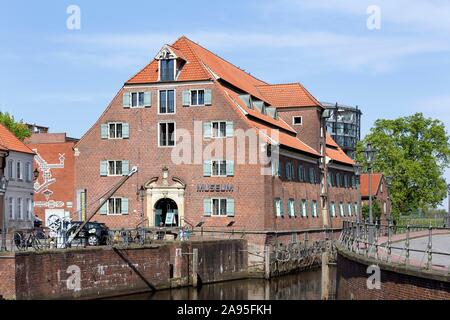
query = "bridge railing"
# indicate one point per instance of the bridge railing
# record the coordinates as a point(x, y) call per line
point(393, 243)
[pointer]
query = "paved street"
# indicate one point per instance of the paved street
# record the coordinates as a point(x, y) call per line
point(441, 243)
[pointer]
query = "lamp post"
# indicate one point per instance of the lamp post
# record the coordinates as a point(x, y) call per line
point(369, 154)
point(142, 196)
point(357, 171)
point(3, 186)
point(448, 214)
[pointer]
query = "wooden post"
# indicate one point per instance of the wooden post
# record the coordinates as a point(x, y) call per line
point(267, 262)
point(325, 276)
point(194, 267)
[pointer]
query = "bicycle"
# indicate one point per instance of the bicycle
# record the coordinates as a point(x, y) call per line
point(24, 241)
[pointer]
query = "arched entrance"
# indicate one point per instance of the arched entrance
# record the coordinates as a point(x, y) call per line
point(166, 213)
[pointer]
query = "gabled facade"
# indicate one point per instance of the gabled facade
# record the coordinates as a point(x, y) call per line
point(380, 192)
point(181, 121)
point(18, 201)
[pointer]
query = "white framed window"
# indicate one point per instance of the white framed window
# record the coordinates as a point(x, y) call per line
point(19, 171)
point(11, 208)
point(29, 209)
point(166, 134)
point(11, 169)
point(115, 168)
point(291, 207)
point(356, 208)
point(166, 102)
point(114, 206)
point(333, 209)
point(167, 69)
point(219, 129)
point(197, 97)
point(28, 170)
point(20, 208)
point(137, 99)
point(115, 130)
point(219, 206)
point(341, 209)
point(314, 209)
point(304, 207)
point(297, 120)
point(350, 209)
point(279, 208)
point(218, 168)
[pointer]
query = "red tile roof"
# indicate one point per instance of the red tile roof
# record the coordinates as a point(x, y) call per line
point(330, 141)
point(288, 95)
point(9, 142)
point(335, 153)
point(376, 181)
point(202, 64)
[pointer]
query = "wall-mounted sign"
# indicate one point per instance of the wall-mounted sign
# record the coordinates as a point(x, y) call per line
point(215, 188)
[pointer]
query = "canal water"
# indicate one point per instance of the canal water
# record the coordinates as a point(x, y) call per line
point(305, 285)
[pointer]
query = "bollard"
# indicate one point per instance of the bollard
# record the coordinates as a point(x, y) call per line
point(430, 247)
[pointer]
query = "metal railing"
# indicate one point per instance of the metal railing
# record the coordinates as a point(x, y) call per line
point(393, 243)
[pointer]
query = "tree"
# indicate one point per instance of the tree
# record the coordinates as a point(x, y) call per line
point(415, 151)
point(376, 210)
point(19, 129)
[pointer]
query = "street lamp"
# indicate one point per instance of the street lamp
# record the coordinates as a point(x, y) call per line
point(369, 154)
point(3, 186)
point(357, 170)
point(142, 196)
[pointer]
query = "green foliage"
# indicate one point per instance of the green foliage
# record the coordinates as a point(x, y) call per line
point(19, 129)
point(376, 210)
point(415, 151)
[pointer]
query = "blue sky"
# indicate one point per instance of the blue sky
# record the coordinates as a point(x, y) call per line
point(64, 79)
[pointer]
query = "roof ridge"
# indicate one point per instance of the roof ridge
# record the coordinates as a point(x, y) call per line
point(200, 61)
point(279, 84)
point(224, 60)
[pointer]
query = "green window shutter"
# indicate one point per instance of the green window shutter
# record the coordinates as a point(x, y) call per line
point(126, 101)
point(124, 206)
point(306, 208)
point(125, 130)
point(104, 131)
point(207, 129)
point(230, 129)
point(104, 208)
point(147, 99)
point(208, 97)
point(230, 207)
point(103, 168)
point(125, 167)
point(207, 168)
point(207, 207)
point(230, 168)
point(281, 208)
point(186, 98)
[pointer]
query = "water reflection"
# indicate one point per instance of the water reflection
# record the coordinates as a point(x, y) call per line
point(305, 285)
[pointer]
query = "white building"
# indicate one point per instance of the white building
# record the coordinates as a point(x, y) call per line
point(19, 173)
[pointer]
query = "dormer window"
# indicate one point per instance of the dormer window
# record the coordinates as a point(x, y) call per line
point(171, 61)
point(167, 70)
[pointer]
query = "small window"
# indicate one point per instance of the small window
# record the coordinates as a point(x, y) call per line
point(137, 99)
point(19, 173)
point(114, 168)
point(11, 208)
point(197, 97)
point(219, 168)
point(219, 207)
point(279, 210)
point(114, 206)
point(28, 172)
point(167, 72)
point(29, 209)
point(350, 209)
point(291, 207)
point(20, 208)
point(333, 209)
point(219, 129)
point(304, 208)
point(341, 209)
point(115, 130)
point(314, 209)
point(167, 134)
point(301, 173)
point(166, 101)
point(297, 120)
point(11, 169)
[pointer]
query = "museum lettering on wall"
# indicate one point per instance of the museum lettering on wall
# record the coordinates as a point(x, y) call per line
point(215, 188)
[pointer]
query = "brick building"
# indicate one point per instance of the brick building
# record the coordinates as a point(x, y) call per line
point(380, 193)
point(55, 162)
point(189, 103)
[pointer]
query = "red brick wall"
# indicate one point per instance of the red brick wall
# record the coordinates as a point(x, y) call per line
point(352, 278)
point(63, 188)
point(7, 276)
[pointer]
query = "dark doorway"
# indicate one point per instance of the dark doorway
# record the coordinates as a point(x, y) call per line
point(164, 210)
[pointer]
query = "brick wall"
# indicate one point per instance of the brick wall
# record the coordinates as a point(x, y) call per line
point(105, 272)
point(352, 278)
